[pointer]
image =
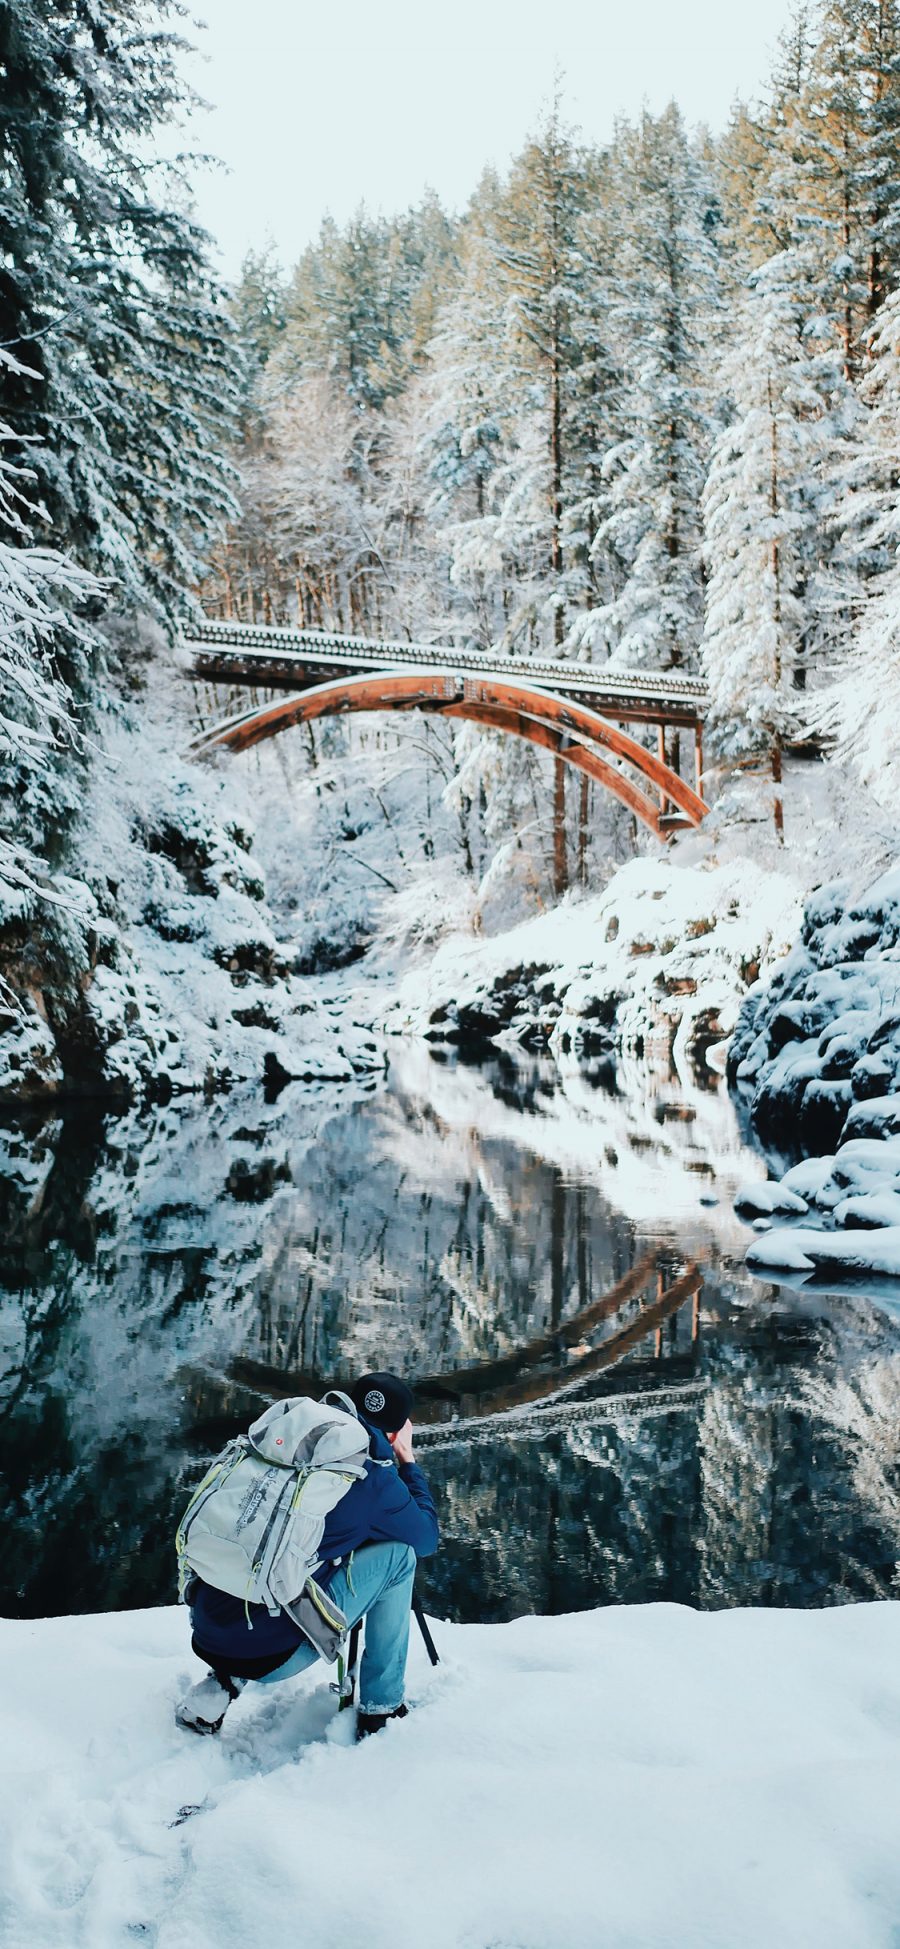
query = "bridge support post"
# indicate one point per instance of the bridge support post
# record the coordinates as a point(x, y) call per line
point(661, 748)
point(698, 759)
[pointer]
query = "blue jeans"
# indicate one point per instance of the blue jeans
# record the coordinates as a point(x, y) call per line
point(376, 1583)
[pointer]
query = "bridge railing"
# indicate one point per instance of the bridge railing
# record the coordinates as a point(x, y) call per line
point(272, 643)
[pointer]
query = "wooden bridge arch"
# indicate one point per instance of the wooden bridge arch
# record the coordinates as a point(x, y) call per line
point(571, 731)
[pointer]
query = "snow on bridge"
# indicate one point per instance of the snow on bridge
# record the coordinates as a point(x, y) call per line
point(570, 709)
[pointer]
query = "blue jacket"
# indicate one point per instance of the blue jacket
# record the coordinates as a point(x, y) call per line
point(391, 1503)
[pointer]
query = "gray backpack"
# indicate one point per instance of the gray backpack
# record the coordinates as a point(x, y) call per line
point(254, 1525)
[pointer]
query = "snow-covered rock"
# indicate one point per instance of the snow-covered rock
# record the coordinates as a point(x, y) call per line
point(30, 1067)
point(805, 1249)
point(852, 1199)
point(658, 964)
point(816, 1060)
point(158, 971)
point(814, 1046)
point(647, 1775)
point(764, 1200)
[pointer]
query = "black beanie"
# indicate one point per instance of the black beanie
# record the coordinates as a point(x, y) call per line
point(384, 1400)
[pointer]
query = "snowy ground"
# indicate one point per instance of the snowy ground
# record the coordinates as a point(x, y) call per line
point(649, 1776)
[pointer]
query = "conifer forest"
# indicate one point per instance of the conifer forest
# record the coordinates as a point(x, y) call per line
point(450, 938)
point(636, 404)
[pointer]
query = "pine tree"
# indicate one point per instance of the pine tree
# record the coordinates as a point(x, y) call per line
point(768, 505)
point(41, 595)
point(360, 300)
point(258, 310)
point(123, 396)
point(471, 422)
point(835, 182)
point(857, 712)
point(551, 358)
point(664, 310)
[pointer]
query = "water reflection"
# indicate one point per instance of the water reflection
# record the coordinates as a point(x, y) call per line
point(613, 1410)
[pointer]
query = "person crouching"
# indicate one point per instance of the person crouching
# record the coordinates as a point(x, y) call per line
point(367, 1564)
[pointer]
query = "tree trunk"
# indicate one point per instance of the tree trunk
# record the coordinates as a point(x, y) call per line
point(560, 857)
point(583, 826)
point(778, 806)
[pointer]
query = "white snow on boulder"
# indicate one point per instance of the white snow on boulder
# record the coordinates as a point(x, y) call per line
point(803, 1249)
point(649, 1775)
point(763, 1200)
point(657, 965)
point(816, 1058)
point(163, 972)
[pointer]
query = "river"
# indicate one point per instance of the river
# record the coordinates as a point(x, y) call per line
point(612, 1410)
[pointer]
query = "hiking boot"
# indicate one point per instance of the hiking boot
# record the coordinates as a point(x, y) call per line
point(204, 1707)
point(367, 1722)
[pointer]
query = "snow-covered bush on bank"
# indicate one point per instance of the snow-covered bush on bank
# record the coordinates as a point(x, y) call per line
point(816, 1060)
point(656, 965)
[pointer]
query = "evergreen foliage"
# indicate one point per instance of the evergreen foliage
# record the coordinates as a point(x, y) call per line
point(118, 378)
point(42, 595)
point(123, 395)
point(632, 405)
point(636, 403)
point(665, 306)
point(769, 496)
point(858, 710)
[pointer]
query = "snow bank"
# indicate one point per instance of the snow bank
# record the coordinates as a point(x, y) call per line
point(658, 964)
point(650, 1775)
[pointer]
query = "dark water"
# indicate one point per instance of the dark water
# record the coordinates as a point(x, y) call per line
point(612, 1410)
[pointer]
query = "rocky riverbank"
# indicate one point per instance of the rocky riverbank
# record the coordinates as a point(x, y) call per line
point(657, 966)
point(815, 1059)
point(159, 971)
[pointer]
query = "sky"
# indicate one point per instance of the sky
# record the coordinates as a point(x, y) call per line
point(318, 108)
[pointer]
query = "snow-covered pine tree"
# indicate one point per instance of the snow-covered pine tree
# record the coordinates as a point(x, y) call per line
point(360, 299)
point(310, 493)
point(760, 197)
point(835, 183)
point(595, 414)
point(664, 308)
point(258, 310)
point(547, 293)
point(462, 420)
point(858, 711)
point(543, 266)
point(41, 594)
point(768, 505)
point(470, 428)
point(107, 298)
point(352, 327)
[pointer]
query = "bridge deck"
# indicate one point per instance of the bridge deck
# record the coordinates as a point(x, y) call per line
point(297, 659)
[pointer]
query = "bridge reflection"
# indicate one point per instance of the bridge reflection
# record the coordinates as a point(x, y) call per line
point(545, 1370)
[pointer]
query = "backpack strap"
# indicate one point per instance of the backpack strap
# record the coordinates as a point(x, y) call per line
point(343, 1400)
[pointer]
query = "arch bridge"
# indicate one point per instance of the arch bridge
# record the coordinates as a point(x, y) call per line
point(572, 710)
